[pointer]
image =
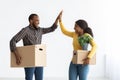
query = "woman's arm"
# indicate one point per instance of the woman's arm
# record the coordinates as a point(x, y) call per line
point(63, 29)
point(66, 32)
point(94, 47)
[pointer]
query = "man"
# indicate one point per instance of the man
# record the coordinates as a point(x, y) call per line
point(31, 35)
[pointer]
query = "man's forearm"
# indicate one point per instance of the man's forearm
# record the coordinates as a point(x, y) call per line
point(56, 21)
point(12, 45)
point(54, 26)
point(50, 29)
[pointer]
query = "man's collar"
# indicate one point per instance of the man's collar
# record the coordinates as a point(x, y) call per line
point(34, 27)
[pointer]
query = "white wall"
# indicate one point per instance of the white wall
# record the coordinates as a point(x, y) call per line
point(13, 17)
point(113, 55)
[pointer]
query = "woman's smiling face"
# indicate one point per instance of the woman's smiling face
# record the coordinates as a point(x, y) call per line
point(78, 29)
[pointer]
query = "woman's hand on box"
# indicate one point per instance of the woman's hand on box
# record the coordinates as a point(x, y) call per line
point(86, 61)
point(74, 52)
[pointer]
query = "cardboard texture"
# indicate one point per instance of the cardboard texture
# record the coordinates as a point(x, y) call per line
point(32, 56)
point(81, 55)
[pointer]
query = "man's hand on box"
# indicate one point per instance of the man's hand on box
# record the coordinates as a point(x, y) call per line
point(18, 58)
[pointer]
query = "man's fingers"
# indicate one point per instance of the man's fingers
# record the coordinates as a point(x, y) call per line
point(61, 12)
point(18, 61)
point(20, 58)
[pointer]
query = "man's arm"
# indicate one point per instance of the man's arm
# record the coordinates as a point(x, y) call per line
point(13, 42)
point(49, 29)
point(52, 28)
point(16, 38)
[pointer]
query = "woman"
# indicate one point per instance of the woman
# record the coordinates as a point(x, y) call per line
point(82, 36)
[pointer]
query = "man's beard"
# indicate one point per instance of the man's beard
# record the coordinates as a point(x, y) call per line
point(36, 27)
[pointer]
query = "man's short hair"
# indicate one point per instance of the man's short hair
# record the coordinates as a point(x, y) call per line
point(31, 16)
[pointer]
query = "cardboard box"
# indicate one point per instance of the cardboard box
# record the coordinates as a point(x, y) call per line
point(81, 55)
point(32, 56)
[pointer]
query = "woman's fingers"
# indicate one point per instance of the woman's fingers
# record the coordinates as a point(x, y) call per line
point(86, 61)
